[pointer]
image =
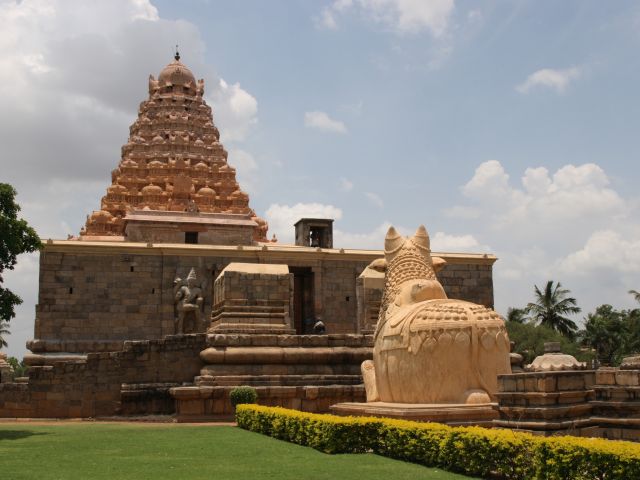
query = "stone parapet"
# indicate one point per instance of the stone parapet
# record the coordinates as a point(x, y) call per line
point(450, 414)
point(205, 403)
point(93, 386)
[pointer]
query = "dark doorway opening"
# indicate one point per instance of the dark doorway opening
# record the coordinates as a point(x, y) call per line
point(303, 308)
point(190, 237)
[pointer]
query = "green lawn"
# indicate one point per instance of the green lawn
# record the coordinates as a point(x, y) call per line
point(113, 451)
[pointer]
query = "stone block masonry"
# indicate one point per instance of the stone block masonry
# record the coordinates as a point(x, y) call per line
point(93, 387)
point(253, 298)
point(95, 295)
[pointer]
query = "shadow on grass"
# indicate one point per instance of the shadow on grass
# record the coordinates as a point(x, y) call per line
point(18, 434)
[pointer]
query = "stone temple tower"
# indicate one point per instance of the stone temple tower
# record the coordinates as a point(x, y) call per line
point(173, 183)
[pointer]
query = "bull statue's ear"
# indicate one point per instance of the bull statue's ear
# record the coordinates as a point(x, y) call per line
point(438, 263)
point(421, 237)
point(393, 240)
point(379, 265)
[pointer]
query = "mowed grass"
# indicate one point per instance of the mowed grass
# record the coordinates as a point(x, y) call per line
point(121, 451)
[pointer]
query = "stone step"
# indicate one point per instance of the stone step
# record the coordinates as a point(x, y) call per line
point(277, 380)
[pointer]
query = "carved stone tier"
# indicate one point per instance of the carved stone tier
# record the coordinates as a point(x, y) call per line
point(449, 413)
point(253, 298)
point(172, 227)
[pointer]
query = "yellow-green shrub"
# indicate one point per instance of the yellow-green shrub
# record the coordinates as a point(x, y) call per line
point(469, 450)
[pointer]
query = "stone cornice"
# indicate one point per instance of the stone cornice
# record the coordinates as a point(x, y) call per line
point(273, 253)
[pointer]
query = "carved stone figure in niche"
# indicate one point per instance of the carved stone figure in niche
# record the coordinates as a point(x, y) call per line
point(192, 207)
point(188, 300)
point(429, 349)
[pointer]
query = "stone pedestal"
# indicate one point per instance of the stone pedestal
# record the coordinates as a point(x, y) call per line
point(253, 298)
point(451, 414)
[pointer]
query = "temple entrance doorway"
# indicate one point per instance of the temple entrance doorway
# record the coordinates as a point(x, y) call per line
point(303, 311)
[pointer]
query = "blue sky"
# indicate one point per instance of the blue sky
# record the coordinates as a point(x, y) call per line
point(504, 127)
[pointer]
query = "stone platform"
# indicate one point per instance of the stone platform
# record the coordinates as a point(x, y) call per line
point(206, 404)
point(481, 414)
point(302, 372)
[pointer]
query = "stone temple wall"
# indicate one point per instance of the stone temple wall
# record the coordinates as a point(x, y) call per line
point(95, 295)
point(92, 387)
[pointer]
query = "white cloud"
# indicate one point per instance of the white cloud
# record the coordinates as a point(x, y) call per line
point(234, 110)
point(442, 242)
point(345, 184)
point(374, 199)
point(557, 80)
point(373, 240)
point(570, 225)
point(544, 203)
point(327, 20)
point(322, 121)
point(402, 16)
point(605, 249)
point(281, 218)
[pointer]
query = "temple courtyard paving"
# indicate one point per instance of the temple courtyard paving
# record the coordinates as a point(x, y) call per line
point(97, 450)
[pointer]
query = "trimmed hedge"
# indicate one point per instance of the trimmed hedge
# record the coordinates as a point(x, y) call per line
point(475, 451)
point(243, 394)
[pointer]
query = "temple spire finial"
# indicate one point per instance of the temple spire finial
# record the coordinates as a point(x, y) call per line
point(177, 55)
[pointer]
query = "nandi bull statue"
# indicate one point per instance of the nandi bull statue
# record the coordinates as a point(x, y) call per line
point(429, 349)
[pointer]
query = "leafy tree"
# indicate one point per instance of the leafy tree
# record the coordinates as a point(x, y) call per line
point(632, 320)
point(19, 367)
point(636, 294)
point(551, 306)
point(4, 330)
point(529, 341)
point(607, 332)
point(16, 237)
point(517, 315)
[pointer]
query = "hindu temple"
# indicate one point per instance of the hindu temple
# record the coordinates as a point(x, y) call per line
point(173, 294)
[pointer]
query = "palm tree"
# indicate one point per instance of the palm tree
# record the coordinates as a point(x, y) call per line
point(551, 306)
point(4, 330)
point(517, 315)
point(607, 332)
point(636, 294)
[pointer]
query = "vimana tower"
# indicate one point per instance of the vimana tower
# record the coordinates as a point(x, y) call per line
point(173, 183)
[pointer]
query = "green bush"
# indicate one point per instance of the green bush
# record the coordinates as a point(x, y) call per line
point(244, 394)
point(474, 451)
